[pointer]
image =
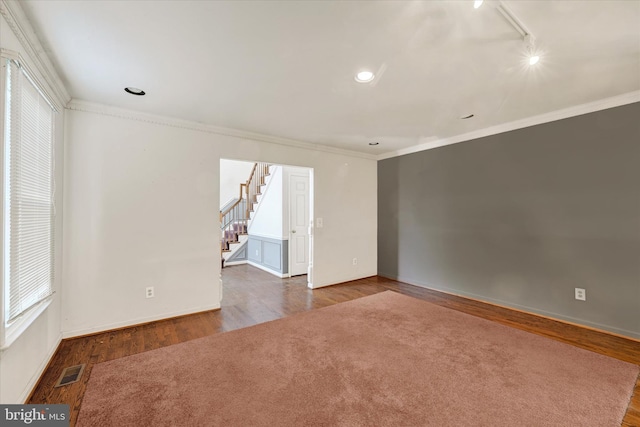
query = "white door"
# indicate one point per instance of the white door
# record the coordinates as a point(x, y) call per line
point(299, 223)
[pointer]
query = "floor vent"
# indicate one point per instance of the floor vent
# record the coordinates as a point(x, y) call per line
point(70, 375)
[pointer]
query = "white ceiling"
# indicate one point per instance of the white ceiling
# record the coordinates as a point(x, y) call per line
point(287, 68)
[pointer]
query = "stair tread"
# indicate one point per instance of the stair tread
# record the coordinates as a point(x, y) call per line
point(235, 241)
point(239, 226)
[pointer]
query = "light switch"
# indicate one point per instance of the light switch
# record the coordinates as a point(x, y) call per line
point(318, 222)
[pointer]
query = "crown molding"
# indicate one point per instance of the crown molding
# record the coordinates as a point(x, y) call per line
point(578, 110)
point(19, 24)
point(107, 110)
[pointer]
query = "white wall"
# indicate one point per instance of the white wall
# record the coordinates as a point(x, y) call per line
point(272, 216)
point(23, 362)
point(141, 212)
point(138, 211)
point(232, 173)
point(268, 218)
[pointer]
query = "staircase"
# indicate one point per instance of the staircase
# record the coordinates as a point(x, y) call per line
point(235, 218)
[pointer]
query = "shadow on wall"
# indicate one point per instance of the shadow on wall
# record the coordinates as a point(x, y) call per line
point(388, 220)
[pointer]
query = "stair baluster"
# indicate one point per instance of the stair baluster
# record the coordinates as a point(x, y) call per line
point(234, 220)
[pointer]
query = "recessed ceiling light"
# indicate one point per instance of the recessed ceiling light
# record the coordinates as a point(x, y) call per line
point(467, 117)
point(134, 91)
point(477, 4)
point(534, 59)
point(364, 76)
point(374, 143)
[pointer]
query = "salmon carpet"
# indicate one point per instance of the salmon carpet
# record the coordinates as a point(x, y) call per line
point(381, 360)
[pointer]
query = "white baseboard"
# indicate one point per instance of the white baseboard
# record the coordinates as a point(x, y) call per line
point(268, 270)
point(340, 281)
point(226, 264)
point(33, 382)
point(137, 321)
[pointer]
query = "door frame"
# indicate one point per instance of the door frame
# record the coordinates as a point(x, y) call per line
point(307, 175)
point(310, 219)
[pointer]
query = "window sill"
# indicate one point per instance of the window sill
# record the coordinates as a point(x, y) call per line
point(13, 331)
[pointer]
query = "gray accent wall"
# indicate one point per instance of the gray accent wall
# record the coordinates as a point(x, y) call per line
point(270, 253)
point(524, 217)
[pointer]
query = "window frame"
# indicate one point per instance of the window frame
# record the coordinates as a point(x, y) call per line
point(10, 332)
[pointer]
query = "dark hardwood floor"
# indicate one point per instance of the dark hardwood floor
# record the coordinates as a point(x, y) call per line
point(251, 296)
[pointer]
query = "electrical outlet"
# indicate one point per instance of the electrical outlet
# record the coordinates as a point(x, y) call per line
point(150, 292)
point(355, 261)
point(581, 294)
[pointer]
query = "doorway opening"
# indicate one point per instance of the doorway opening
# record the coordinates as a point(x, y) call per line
point(266, 214)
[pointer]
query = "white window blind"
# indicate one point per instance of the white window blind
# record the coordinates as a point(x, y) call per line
point(28, 194)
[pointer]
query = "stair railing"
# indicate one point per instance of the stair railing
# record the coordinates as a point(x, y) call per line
point(255, 183)
point(234, 220)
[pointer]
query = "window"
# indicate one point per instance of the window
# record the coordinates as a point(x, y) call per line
point(28, 200)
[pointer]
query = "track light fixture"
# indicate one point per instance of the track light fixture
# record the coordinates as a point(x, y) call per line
point(528, 38)
point(512, 19)
point(530, 47)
